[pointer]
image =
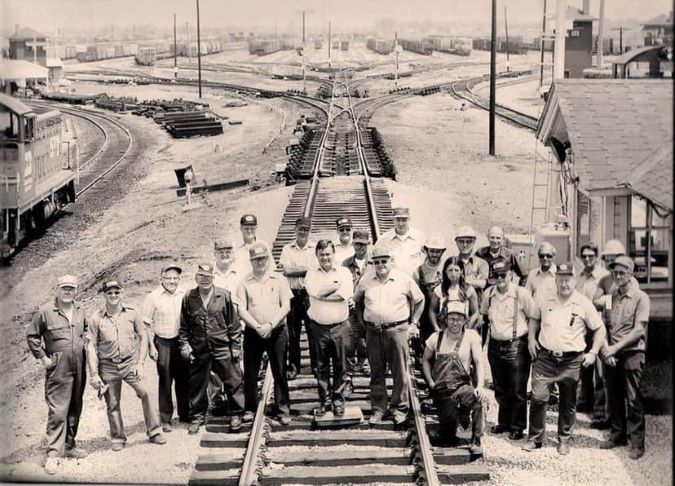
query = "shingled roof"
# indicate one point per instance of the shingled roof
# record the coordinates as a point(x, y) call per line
point(613, 126)
point(653, 178)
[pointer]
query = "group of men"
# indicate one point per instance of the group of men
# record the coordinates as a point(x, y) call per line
point(359, 305)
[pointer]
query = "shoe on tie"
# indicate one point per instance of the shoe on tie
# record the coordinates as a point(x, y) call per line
point(320, 411)
point(52, 465)
point(516, 435)
point(499, 429)
point(400, 418)
point(531, 446)
point(235, 423)
point(157, 439)
point(338, 410)
point(475, 447)
point(563, 448)
point(376, 417)
point(601, 424)
point(166, 427)
point(636, 453)
point(193, 428)
point(612, 443)
point(292, 373)
point(248, 417)
point(75, 453)
point(117, 446)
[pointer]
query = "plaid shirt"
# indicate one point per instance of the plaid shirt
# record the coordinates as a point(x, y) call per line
point(161, 311)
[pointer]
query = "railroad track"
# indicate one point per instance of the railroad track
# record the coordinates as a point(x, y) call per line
point(463, 89)
point(265, 452)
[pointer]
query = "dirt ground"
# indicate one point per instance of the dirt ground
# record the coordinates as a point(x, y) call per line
point(444, 175)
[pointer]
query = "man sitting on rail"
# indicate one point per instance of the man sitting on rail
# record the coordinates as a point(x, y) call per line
point(448, 356)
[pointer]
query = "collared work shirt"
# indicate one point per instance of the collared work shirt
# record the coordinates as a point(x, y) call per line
point(389, 300)
point(563, 325)
point(505, 253)
point(476, 268)
point(358, 268)
point(627, 309)
point(263, 297)
point(60, 334)
point(541, 284)
point(294, 256)
point(587, 282)
point(500, 311)
point(329, 312)
point(227, 280)
point(161, 311)
point(242, 258)
point(116, 336)
point(342, 252)
point(406, 249)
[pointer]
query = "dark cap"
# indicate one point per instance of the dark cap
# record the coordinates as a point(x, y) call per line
point(589, 246)
point(623, 261)
point(223, 244)
point(566, 268)
point(500, 266)
point(172, 266)
point(110, 284)
point(401, 213)
point(205, 269)
point(361, 236)
point(344, 221)
point(303, 222)
point(248, 220)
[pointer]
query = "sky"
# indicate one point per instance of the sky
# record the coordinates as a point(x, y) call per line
point(347, 15)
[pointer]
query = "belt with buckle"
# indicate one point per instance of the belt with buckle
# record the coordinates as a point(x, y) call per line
point(562, 354)
point(386, 325)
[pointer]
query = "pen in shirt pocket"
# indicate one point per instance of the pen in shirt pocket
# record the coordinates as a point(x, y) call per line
point(574, 316)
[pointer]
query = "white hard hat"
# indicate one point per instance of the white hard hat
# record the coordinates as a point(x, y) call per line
point(465, 232)
point(614, 247)
point(436, 242)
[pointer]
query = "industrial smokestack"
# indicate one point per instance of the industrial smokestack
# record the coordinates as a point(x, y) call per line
point(559, 47)
point(587, 7)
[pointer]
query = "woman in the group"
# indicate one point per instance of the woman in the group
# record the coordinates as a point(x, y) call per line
point(454, 288)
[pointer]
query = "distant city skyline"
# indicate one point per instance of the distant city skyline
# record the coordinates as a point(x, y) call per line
point(347, 16)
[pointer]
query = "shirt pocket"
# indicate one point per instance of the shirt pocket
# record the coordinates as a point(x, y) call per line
point(58, 331)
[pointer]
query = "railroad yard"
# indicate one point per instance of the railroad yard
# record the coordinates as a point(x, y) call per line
point(133, 221)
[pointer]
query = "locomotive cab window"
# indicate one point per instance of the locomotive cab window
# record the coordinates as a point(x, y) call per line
point(9, 126)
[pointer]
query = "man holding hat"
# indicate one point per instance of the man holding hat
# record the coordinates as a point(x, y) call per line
point(428, 276)
point(117, 344)
point(558, 354)
point(343, 248)
point(161, 314)
point(264, 301)
point(210, 337)
point(509, 308)
point(248, 225)
point(448, 357)
point(358, 264)
point(405, 242)
point(624, 357)
point(56, 336)
point(391, 302)
point(296, 258)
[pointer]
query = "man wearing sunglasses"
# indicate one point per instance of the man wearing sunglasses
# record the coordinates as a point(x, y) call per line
point(343, 248)
point(624, 357)
point(62, 325)
point(557, 348)
point(117, 345)
point(210, 337)
point(392, 301)
point(541, 280)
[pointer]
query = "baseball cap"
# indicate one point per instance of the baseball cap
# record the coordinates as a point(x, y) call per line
point(110, 284)
point(566, 268)
point(401, 212)
point(66, 281)
point(172, 266)
point(248, 220)
point(258, 250)
point(361, 236)
point(589, 246)
point(381, 251)
point(223, 243)
point(455, 307)
point(344, 221)
point(500, 266)
point(205, 269)
point(624, 261)
point(303, 222)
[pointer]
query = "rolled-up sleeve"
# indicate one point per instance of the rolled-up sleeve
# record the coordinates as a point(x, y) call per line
point(92, 330)
point(530, 309)
point(414, 292)
point(34, 336)
point(593, 319)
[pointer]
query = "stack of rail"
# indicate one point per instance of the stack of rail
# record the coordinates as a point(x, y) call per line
point(191, 123)
point(303, 155)
point(378, 162)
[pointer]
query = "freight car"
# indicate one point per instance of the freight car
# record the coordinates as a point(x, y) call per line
point(262, 47)
point(38, 168)
point(418, 46)
point(460, 46)
point(146, 56)
point(381, 46)
point(515, 44)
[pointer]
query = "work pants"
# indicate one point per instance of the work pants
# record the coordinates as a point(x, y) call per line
point(510, 364)
point(295, 319)
point(227, 369)
point(113, 374)
point(388, 347)
point(275, 346)
point(331, 342)
point(64, 386)
point(447, 403)
point(627, 413)
point(546, 371)
point(358, 352)
point(172, 368)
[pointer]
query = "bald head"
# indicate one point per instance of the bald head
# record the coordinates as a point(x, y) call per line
point(495, 238)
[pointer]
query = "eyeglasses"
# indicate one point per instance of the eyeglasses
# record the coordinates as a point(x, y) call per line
point(113, 292)
point(171, 279)
point(588, 257)
point(545, 255)
point(260, 259)
point(619, 273)
point(382, 261)
point(344, 230)
point(501, 276)
point(201, 276)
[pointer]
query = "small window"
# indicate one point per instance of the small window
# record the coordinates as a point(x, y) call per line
point(650, 242)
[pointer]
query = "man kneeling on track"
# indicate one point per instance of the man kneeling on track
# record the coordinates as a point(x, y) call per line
point(448, 355)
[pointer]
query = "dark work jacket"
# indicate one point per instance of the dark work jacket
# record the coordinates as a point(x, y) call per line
point(208, 330)
point(508, 255)
point(350, 263)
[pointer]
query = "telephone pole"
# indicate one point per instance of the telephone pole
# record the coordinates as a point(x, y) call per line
point(175, 50)
point(493, 55)
point(303, 52)
point(396, 49)
point(506, 32)
point(543, 37)
point(329, 40)
point(199, 54)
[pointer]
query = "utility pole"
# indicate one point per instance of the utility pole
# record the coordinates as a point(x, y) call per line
point(600, 49)
point(187, 40)
point(506, 31)
point(175, 50)
point(303, 52)
point(559, 47)
point(199, 54)
point(621, 29)
point(396, 49)
point(329, 40)
point(493, 55)
point(543, 36)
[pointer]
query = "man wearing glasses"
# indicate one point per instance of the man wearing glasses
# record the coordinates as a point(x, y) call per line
point(210, 337)
point(392, 302)
point(161, 314)
point(541, 280)
point(557, 349)
point(62, 325)
point(624, 357)
point(117, 344)
point(343, 248)
point(509, 309)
